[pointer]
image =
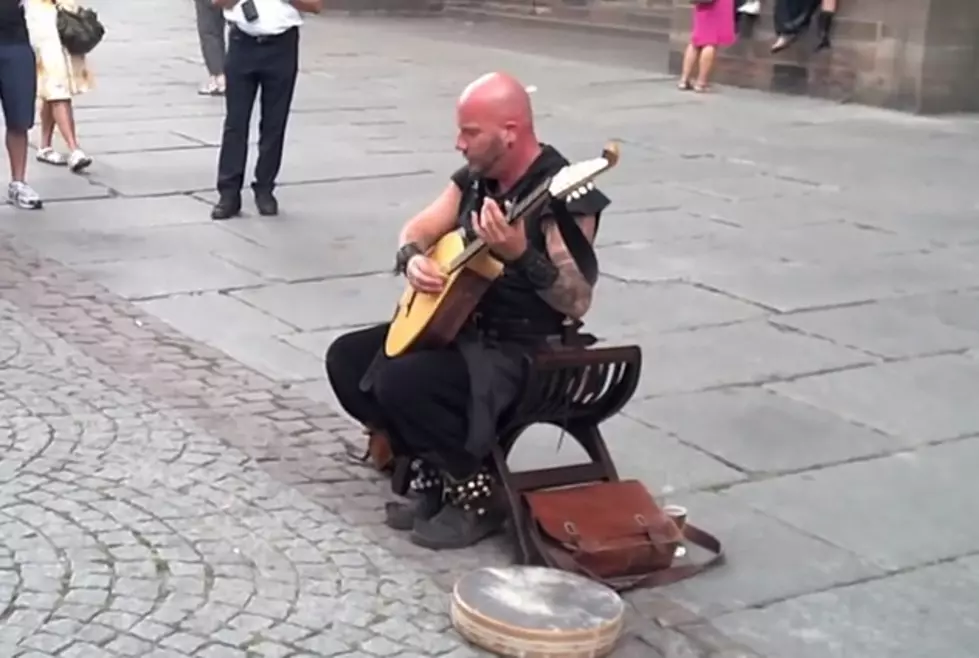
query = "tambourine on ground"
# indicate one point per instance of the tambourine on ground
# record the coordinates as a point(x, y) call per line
point(537, 612)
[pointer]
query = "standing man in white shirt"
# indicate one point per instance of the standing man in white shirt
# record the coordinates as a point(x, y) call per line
point(263, 52)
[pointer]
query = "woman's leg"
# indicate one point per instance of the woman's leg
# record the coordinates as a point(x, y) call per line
point(825, 23)
point(47, 125)
point(64, 117)
point(46, 153)
point(689, 61)
point(704, 67)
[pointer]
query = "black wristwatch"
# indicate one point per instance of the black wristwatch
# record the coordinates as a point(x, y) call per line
point(405, 253)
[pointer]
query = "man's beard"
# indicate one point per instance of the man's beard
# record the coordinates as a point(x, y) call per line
point(491, 160)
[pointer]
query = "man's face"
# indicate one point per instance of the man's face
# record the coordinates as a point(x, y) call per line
point(482, 143)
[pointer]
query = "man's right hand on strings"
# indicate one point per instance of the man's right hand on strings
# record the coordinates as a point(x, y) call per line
point(424, 274)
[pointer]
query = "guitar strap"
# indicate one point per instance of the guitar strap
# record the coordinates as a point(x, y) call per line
point(579, 247)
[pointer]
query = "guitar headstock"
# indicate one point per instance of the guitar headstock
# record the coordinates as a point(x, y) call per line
point(575, 180)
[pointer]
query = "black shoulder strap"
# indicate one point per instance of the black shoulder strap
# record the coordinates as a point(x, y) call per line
point(578, 245)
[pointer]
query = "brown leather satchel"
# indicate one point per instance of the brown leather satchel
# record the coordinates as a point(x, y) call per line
point(613, 532)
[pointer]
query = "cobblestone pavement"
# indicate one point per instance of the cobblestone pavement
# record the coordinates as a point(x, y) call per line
point(801, 276)
point(128, 530)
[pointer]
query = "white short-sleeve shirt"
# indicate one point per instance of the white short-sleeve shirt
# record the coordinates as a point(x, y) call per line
point(274, 17)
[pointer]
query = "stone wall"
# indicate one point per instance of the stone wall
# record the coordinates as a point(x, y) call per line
point(384, 6)
point(912, 55)
point(646, 18)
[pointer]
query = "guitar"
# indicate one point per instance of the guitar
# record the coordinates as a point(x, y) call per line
point(425, 320)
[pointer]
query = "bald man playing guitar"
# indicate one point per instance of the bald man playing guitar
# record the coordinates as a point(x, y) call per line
point(441, 407)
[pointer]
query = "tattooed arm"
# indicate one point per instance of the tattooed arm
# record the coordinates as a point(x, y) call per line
point(555, 275)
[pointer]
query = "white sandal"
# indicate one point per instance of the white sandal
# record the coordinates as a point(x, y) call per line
point(50, 156)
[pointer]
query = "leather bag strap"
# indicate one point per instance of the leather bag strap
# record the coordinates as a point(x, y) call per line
point(560, 559)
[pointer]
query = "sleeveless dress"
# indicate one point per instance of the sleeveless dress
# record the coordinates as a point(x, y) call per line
point(713, 24)
point(60, 75)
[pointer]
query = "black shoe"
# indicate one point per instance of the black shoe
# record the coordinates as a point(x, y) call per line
point(422, 507)
point(226, 208)
point(470, 514)
point(266, 203)
point(426, 499)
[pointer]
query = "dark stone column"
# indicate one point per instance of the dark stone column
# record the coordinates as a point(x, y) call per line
point(911, 55)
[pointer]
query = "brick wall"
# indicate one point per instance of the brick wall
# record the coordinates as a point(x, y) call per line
point(912, 55)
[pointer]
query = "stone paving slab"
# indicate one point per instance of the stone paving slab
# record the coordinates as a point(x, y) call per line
point(801, 277)
point(928, 609)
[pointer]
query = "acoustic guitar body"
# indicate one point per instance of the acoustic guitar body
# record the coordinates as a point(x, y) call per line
point(426, 321)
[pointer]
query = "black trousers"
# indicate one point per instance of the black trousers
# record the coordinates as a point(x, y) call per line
point(270, 64)
point(793, 16)
point(421, 399)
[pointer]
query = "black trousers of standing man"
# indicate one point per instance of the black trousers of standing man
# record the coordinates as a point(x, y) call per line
point(269, 64)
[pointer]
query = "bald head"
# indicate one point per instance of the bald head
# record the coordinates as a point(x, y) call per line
point(500, 96)
point(496, 124)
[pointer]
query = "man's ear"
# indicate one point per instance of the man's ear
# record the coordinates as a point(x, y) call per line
point(511, 132)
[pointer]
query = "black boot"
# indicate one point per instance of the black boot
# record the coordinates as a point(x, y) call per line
point(825, 27)
point(425, 499)
point(472, 512)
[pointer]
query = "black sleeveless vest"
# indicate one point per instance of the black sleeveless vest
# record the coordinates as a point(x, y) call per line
point(511, 304)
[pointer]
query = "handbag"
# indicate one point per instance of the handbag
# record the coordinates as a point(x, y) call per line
point(614, 533)
point(80, 31)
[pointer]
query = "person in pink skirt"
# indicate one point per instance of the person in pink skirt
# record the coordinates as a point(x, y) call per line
point(713, 27)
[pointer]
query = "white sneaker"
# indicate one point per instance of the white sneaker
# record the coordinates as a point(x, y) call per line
point(78, 161)
point(23, 196)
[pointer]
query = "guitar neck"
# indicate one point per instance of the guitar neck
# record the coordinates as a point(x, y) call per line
point(530, 204)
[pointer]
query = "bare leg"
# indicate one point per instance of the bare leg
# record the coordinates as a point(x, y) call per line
point(65, 119)
point(705, 67)
point(17, 152)
point(47, 125)
point(689, 61)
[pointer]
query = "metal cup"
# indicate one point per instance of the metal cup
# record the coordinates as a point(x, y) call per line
point(677, 513)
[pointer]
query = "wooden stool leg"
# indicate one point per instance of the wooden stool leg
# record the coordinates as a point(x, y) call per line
point(517, 517)
point(590, 438)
